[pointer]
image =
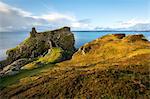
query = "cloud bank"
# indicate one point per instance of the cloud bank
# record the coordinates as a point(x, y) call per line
point(130, 25)
point(16, 19)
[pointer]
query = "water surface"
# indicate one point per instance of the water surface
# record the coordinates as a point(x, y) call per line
point(11, 39)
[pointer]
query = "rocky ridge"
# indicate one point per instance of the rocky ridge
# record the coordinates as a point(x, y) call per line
point(113, 66)
point(37, 46)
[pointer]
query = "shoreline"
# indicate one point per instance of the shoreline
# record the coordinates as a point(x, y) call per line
point(3, 50)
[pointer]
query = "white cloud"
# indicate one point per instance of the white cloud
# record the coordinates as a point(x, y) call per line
point(57, 16)
point(3, 8)
point(133, 24)
point(7, 9)
point(129, 23)
point(140, 27)
point(12, 19)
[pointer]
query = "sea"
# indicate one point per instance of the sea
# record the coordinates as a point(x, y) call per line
point(11, 39)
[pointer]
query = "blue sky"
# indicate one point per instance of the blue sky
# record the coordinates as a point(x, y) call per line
point(79, 14)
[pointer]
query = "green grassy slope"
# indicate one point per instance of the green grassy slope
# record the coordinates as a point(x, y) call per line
point(109, 68)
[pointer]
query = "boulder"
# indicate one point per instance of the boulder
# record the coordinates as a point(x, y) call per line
point(14, 67)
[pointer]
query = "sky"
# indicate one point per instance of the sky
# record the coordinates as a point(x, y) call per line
point(78, 14)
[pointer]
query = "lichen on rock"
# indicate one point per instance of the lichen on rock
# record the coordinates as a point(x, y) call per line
point(54, 55)
point(39, 43)
point(108, 67)
point(14, 67)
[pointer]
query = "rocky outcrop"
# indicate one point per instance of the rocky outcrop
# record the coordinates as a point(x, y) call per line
point(14, 67)
point(38, 44)
point(108, 67)
point(133, 38)
point(54, 55)
point(120, 36)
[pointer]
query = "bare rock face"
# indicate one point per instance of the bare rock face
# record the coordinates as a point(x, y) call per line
point(13, 68)
point(38, 44)
point(33, 32)
point(120, 36)
point(133, 38)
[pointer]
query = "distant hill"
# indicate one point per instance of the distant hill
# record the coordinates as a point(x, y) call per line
point(137, 27)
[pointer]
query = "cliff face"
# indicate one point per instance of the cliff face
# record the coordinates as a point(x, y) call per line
point(114, 66)
point(38, 45)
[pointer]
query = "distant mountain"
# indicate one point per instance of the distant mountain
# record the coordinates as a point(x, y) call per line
point(137, 27)
point(140, 27)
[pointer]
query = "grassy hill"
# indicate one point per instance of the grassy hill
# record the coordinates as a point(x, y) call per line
point(114, 66)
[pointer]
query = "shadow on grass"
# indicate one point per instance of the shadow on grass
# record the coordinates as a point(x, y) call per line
point(8, 80)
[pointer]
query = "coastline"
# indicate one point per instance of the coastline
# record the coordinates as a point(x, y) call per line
point(77, 34)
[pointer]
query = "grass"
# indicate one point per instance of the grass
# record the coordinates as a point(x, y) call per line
point(54, 55)
point(111, 68)
point(138, 52)
point(84, 83)
point(6, 81)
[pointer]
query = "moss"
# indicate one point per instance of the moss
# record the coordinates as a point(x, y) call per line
point(36, 46)
point(8, 80)
point(67, 38)
point(54, 55)
point(12, 50)
point(111, 69)
point(30, 66)
point(26, 41)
